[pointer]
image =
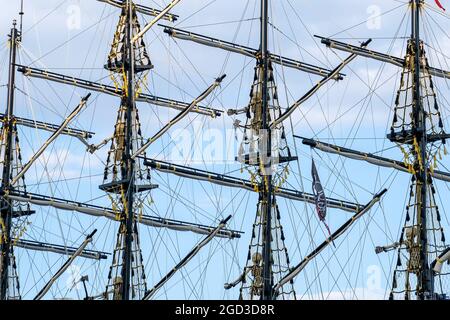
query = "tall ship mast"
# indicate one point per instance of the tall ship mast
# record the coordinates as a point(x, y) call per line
point(128, 220)
point(418, 131)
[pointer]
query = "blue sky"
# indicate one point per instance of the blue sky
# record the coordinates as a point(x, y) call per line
point(345, 113)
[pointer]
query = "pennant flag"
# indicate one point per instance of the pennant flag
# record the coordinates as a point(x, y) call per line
point(319, 197)
point(438, 3)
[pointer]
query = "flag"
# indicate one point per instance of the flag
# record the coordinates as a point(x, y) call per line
point(438, 3)
point(319, 196)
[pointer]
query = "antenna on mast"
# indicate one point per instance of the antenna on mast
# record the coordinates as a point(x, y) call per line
point(21, 13)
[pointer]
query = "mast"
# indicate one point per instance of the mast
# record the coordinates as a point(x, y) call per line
point(130, 183)
point(425, 287)
point(127, 139)
point(265, 150)
point(129, 162)
point(7, 210)
point(418, 129)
